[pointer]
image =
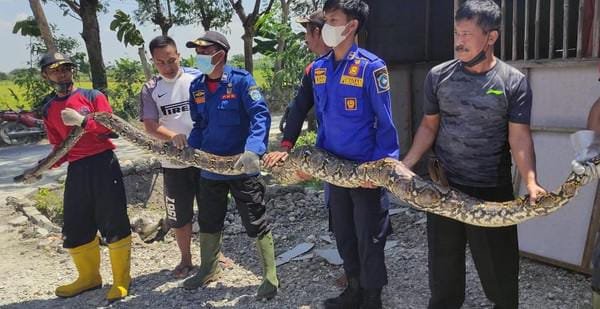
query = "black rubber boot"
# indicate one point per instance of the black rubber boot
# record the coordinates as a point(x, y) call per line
point(371, 299)
point(351, 297)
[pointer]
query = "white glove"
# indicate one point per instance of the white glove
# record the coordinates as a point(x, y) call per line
point(71, 117)
point(248, 163)
point(587, 169)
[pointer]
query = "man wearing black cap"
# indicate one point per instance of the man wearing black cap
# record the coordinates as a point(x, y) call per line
point(230, 117)
point(298, 109)
point(94, 197)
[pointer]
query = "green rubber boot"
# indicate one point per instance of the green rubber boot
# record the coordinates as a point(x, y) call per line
point(210, 246)
point(595, 300)
point(266, 252)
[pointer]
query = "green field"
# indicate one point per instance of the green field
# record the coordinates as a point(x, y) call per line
point(8, 99)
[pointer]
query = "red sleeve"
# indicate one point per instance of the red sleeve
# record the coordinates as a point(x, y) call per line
point(100, 104)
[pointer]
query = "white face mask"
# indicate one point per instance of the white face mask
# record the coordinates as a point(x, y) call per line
point(171, 80)
point(332, 35)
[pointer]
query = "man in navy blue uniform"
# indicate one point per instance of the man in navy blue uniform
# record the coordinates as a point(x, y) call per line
point(230, 117)
point(353, 108)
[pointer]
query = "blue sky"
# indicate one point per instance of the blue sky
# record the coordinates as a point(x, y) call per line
point(15, 53)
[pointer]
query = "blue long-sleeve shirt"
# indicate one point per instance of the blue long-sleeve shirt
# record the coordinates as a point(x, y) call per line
point(353, 106)
point(233, 119)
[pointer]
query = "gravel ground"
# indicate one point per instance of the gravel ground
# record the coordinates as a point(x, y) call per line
point(33, 262)
point(33, 265)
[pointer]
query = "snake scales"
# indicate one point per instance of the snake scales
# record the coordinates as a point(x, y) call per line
point(388, 173)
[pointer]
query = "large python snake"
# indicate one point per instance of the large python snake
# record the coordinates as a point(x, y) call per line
point(388, 173)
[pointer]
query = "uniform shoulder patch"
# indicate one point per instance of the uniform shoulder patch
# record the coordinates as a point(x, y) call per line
point(254, 93)
point(382, 79)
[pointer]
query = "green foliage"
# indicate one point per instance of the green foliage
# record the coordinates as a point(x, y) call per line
point(189, 62)
point(4, 76)
point(128, 74)
point(288, 61)
point(50, 203)
point(308, 138)
point(34, 88)
point(27, 27)
point(127, 32)
point(236, 60)
point(211, 14)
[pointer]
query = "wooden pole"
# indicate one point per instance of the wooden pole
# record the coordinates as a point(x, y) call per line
point(580, 29)
point(596, 31)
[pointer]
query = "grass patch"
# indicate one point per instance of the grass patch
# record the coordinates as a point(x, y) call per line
point(13, 97)
point(50, 204)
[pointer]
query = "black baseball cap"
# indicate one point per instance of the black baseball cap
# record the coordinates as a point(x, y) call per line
point(53, 60)
point(208, 39)
point(317, 18)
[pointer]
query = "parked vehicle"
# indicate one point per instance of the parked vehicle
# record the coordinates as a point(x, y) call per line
point(20, 127)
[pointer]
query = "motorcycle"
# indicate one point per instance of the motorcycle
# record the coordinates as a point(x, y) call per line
point(20, 127)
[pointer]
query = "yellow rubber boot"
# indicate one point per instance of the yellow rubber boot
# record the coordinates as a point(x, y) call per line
point(595, 300)
point(87, 261)
point(120, 261)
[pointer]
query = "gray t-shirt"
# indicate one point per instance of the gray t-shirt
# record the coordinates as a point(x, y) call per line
point(475, 109)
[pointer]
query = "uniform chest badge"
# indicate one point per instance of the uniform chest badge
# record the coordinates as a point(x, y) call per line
point(229, 95)
point(350, 104)
point(199, 97)
point(353, 74)
point(320, 76)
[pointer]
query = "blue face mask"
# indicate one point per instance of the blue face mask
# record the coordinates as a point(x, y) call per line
point(204, 63)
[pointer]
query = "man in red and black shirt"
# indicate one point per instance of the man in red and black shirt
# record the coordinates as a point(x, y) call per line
point(94, 197)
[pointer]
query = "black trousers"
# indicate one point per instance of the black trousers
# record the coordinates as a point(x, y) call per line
point(361, 224)
point(94, 199)
point(248, 194)
point(180, 189)
point(495, 252)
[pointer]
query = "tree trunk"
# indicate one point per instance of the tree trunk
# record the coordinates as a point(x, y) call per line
point(248, 38)
point(91, 36)
point(285, 13)
point(40, 18)
point(145, 65)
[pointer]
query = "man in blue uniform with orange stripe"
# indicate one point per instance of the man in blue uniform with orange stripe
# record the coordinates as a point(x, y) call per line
point(353, 108)
point(94, 197)
point(230, 117)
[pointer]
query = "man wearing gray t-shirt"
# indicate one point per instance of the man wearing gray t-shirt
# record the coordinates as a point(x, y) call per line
point(477, 113)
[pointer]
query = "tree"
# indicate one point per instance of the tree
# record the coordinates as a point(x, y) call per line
point(305, 7)
point(153, 10)
point(211, 14)
point(248, 22)
point(44, 29)
point(287, 64)
point(128, 34)
point(87, 12)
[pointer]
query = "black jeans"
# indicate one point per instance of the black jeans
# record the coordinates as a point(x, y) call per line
point(248, 194)
point(495, 252)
